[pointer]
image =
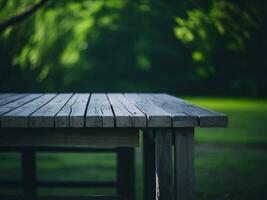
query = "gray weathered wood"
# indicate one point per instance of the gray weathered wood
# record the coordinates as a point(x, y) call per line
point(126, 113)
point(62, 118)
point(184, 163)
point(11, 98)
point(161, 113)
point(164, 172)
point(207, 118)
point(120, 110)
point(149, 165)
point(45, 116)
point(180, 118)
point(99, 112)
point(72, 114)
point(17, 103)
point(92, 137)
point(19, 117)
point(78, 111)
point(5, 95)
point(156, 116)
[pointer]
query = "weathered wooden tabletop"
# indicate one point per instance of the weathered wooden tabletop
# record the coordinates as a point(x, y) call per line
point(114, 120)
point(109, 110)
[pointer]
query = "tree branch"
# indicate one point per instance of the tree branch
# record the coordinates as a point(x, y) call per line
point(21, 16)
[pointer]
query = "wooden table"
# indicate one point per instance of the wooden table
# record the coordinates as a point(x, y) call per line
point(115, 120)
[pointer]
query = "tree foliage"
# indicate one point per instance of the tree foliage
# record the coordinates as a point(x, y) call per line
point(186, 47)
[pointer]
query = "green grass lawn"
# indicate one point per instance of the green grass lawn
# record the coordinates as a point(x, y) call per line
point(247, 123)
point(221, 172)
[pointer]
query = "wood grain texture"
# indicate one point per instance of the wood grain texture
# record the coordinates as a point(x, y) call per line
point(206, 117)
point(156, 116)
point(104, 110)
point(45, 116)
point(62, 118)
point(164, 172)
point(73, 112)
point(180, 118)
point(10, 98)
point(149, 165)
point(78, 111)
point(99, 112)
point(19, 117)
point(5, 95)
point(184, 163)
point(126, 113)
point(17, 103)
point(92, 137)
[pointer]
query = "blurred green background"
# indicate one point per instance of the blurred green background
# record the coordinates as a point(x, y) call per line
point(210, 52)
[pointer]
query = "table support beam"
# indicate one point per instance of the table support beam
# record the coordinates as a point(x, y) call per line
point(164, 169)
point(148, 165)
point(90, 137)
point(184, 163)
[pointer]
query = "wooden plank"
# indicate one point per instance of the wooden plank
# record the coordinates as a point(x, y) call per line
point(11, 98)
point(45, 116)
point(164, 170)
point(180, 118)
point(207, 118)
point(62, 118)
point(126, 113)
point(77, 115)
point(5, 95)
point(91, 137)
point(17, 103)
point(99, 112)
point(155, 115)
point(149, 161)
point(19, 117)
point(73, 112)
point(184, 163)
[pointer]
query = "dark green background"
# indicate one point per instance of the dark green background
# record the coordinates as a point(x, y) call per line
point(210, 52)
point(213, 47)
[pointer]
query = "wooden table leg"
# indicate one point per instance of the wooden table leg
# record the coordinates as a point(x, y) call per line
point(164, 172)
point(126, 173)
point(184, 163)
point(149, 165)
